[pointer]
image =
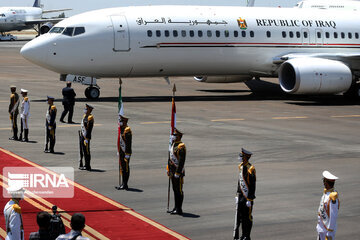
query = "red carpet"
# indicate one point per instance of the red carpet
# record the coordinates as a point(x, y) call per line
point(105, 218)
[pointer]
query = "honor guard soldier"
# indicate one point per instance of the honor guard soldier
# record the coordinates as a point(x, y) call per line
point(245, 196)
point(12, 214)
point(125, 151)
point(176, 170)
point(328, 209)
point(24, 115)
point(50, 125)
point(14, 111)
point(87, 124)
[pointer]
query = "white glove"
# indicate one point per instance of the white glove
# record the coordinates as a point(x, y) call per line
point(86, 141)
point(49, 127)
point(117, 153)
point(127, 157)
point(177, 175)
point(236, 199)
point(248, 204)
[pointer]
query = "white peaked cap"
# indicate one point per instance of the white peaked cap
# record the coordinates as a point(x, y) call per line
point(24, 90)
point(328, 175)
point(16, 191)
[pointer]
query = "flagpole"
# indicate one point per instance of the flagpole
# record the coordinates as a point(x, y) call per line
point(119, 136)
point(170, 142)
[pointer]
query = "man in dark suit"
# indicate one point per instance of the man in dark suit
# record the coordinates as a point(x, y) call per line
point(68, 102)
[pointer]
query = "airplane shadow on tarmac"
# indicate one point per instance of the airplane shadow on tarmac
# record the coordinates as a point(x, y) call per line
point(259, 91)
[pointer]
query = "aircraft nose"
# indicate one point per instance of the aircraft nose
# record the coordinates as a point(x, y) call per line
point(35, 51)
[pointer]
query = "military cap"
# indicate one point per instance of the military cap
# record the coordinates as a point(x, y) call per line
point(245, 152)
point(329, 176)
point(124, 118)
point(89, 106)
point(12, 86)
point(51, 98)
point(16, 191)
point(24, 90)
point(177, 132)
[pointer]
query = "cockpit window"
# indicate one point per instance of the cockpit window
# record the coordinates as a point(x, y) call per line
point(2, 15)
point(68, 31)
point(79, 30)
point(57, 30)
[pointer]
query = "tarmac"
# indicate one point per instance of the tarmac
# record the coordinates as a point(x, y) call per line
point(293, 138)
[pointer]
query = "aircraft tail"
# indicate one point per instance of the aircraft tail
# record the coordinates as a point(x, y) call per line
point(37, 3)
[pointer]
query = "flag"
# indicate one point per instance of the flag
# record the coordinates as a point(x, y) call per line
point(120, 112)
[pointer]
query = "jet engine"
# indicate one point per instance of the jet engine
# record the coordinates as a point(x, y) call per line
point(45, 28)
point(314, 76)
point(223, 79)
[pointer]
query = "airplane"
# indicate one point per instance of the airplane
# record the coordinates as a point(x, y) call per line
point(330, 4)
point(21, 18)
point(310, 51)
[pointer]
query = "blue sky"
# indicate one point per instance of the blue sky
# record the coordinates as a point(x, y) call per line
point(80, 6)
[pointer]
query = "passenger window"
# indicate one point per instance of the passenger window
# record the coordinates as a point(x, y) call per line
point(167, 33)
point(342, 35)
point(192, 33)
point(252, 34)
point(284, 34)
point(149, 33)
point(158, 33)
point(183, 33)
point(327, 34)
point(243, 33)
point(357, 35)
point(268, 34)
point(209, 33)
point(79, 30)
point(318, 34)
point(305, 35)
point(335, 35)
point(236, 33)
point(200, 33)
point(291, 34)
point(298, 35)
point(175, 33)
point(349, 35)
point(217, 33)
point(226, 33)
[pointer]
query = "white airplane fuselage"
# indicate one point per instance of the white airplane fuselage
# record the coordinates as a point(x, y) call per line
point(15, 18)
point(195, 41)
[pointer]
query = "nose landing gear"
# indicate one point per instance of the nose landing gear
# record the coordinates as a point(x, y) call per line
point(92, 92)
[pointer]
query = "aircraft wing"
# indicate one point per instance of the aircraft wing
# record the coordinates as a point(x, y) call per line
point(44, 20)
point(56, 10)
point(344, 57)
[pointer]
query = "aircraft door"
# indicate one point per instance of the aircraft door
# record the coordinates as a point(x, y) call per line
point(121, 33)
point(319, 38)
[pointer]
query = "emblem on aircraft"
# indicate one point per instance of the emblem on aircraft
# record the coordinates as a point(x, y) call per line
point(242, 23)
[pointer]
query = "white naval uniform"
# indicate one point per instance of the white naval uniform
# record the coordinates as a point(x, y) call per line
point(13, 220)
point(327, 214)
point(25, 112)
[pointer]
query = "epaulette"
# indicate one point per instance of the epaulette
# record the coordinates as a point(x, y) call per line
point(91, 118)
point(127, 130)
point(333, 196)
point(53, 107)
point(181, 146)
point(12, 95)
point(26, 99)
point(17, 208)
point(251, 170)
point(240, 165)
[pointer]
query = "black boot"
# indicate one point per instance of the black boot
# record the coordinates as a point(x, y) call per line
point(26, 139)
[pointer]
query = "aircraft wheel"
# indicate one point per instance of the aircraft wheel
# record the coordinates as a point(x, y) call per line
point(92, 93)
point(353, 92)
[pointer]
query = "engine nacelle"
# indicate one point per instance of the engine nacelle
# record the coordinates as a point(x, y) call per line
point(223, 79)
point(314, 76)
point(45, 28)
